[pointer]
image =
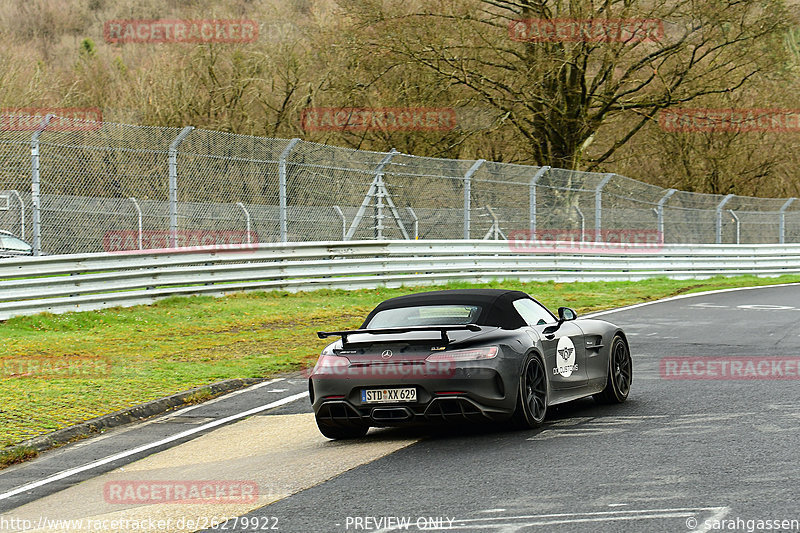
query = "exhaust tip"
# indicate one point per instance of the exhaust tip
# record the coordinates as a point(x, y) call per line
point(390, 414)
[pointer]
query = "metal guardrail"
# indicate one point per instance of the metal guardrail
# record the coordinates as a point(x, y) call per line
point(65, 283)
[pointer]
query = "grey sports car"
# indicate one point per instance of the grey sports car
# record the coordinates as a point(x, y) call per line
point(464, 355)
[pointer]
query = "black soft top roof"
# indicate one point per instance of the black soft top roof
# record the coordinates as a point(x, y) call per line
point(497, 307)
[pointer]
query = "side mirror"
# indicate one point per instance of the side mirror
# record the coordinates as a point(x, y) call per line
point(566, 313)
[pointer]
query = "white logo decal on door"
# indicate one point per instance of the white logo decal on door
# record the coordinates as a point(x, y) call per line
point(565, 358)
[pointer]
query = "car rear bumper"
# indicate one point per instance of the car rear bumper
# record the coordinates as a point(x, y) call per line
point(476, 395)
point(452, 409)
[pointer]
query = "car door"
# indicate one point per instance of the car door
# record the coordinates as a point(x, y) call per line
point(564, 348)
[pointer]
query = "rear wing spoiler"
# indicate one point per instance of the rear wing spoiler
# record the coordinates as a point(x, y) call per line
point(388, 331)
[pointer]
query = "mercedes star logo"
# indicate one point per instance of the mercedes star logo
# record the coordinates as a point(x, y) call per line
point(386, 354)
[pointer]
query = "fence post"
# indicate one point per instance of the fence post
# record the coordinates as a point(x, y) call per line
point(375, 188)
point(283, 214)
point(532, 198)
point(246, 219)
point(583, 223)
point(598, 206)
point(21, 214)
point(738, 225)
point(719, 217)
point(380, 192)
point(416, 222)
point(468, 195)
point(139, 216)
point(35, 183)
point(782, 228)
point(660, 212)
point(378, 207)
point(344, 221)
point(173, 185)
point(495, 230)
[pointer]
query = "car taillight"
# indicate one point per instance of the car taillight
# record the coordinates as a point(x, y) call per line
point(330, 363)
point(470, 354)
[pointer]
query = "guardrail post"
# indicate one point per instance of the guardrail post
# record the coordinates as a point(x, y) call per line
point(35, 184)
point(598, 206)
point(283, 215)
point(719, 217)
point(246, 219)
point(21, 214)
point(660, 212)
point(782, 228)
point(173, 185)
point(139, 216)
point(468, 195)
point(532, 198)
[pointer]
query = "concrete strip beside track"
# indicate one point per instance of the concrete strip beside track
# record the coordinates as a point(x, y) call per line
point(283, 454)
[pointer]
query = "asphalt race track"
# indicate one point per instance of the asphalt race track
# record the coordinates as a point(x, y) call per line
point(683, 454)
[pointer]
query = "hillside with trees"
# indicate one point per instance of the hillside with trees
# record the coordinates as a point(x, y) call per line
point(577, 103)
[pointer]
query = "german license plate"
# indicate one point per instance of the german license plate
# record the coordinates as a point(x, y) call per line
point(389, 395)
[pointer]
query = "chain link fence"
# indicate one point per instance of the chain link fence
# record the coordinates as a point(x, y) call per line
point(72, 186)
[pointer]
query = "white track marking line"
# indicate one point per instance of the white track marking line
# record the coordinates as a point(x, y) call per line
point(568, 518)
point(145, 447)
point(683, 296)
point(709, 523)
point(114, 432)
point(515, 526)
point(224, 396)
point(594, 513)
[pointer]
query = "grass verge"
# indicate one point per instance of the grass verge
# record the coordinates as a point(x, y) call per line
point(180, 343)
point(16, 454)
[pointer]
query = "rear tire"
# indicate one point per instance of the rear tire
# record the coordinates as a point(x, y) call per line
point(337, 432)
point(531, 407)
point(620, 373)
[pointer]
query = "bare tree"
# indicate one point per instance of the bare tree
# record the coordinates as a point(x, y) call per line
point(557, 71)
